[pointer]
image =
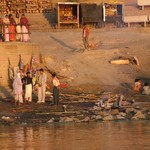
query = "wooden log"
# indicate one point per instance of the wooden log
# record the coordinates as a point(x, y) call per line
point(120, 62)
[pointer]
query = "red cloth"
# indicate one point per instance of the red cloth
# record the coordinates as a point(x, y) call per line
point(86, 31)
point(63, 85)
point(12, 21)
point(24, 22)
point(48, 86)
point(1, 21)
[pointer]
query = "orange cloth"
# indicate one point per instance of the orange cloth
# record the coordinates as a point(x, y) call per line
point(12, 33)
point(86, 31)
point(137, 86)
point(26, 67)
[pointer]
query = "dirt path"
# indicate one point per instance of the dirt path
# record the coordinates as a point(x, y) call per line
point(61, 52)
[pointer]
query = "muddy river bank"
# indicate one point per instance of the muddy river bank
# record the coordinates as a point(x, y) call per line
point(83, 108)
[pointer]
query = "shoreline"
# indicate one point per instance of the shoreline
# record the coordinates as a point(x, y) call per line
point(72, 109)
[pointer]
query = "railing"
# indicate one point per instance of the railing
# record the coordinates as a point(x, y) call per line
point(6, 32)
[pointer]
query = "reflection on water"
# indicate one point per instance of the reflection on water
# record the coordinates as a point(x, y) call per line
point(93, 136)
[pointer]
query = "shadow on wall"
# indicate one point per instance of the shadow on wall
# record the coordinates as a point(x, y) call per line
point(51, 16)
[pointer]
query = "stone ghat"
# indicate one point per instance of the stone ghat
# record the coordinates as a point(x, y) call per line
point(83, 111)
point(11, 51)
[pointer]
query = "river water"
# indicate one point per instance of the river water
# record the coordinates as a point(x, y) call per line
point(130, 135)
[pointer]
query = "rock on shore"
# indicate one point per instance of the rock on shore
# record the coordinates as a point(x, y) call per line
point(80, 112)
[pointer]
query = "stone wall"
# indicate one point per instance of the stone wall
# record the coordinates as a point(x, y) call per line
point(12, 51)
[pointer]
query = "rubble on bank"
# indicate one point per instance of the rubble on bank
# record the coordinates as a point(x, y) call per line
point(77, 110)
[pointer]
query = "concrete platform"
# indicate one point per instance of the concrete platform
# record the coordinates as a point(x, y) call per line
point(135, 19)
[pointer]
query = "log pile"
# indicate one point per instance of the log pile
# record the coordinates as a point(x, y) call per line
point(3, 6)
point(25, 6)
point(45, 5)
point(17, 6)
point(31, 6)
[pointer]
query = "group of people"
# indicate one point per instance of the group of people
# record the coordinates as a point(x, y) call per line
point(23, 87)
point(15, 28)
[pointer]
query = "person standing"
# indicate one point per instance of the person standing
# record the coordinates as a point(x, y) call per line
point(18, 27)
point(12, 28)
point(146, 89)
point(85, 36)
point(56, 85)
point(6, 23)
point(42, 79)
point(17, 89)
point(27, 81)
point(25, 28)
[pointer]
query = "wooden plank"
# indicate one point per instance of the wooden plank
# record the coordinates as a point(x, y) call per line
point(136, 19)
point(120, 62)
point(143, 18)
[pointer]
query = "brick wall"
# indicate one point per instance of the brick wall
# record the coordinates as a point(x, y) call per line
point(12, 51)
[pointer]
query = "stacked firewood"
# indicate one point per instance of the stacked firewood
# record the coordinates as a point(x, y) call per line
point(3, 7)
point(25, 6)
point(44, 5)
point(32, 6)
point(17, 6)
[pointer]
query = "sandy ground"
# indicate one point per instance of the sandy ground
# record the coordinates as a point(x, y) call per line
point(61, 52)
point(89, 71)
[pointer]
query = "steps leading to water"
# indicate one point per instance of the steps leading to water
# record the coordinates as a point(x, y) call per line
point(40, 22)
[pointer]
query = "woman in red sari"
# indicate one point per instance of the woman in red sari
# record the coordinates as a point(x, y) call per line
point(12, 28)
point(25, 28)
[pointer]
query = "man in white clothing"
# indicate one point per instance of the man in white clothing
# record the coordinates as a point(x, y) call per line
point(42, 86)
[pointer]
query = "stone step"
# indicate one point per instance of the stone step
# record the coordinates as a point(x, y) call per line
point(39, 21)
